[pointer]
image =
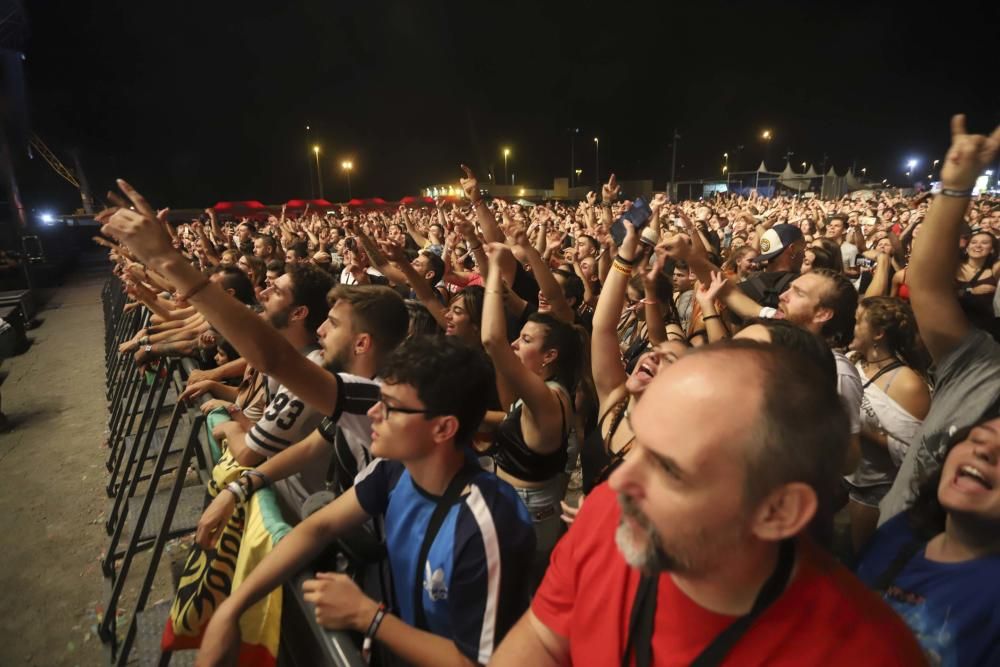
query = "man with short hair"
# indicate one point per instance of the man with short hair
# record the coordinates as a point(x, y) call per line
point(695, 551)
point(456, 535)
point(293, 306)
point(275, 268)
point(264, 247)
point(821, 301)
point(836, 228)
point(782, 249)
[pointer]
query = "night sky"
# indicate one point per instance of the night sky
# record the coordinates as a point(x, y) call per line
point(196, 102)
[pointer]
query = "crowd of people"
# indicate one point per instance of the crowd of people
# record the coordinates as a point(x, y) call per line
point(751, 431)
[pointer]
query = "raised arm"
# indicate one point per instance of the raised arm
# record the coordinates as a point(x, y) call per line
point(934, 260)
point(423, 289)
point(491, 230)
point(540, 401)
point(257, 341)
point(879, 286)
point(605, 353)
point(411, 229)
point(541, 271)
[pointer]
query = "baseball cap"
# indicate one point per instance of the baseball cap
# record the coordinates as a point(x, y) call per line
point(776, 239)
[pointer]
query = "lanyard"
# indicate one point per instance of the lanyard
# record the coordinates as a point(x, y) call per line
point(642, 617)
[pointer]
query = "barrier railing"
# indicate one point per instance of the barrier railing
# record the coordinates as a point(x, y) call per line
point(144, 516)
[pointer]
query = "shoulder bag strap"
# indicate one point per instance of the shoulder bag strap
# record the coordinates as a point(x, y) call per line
point(445, 503)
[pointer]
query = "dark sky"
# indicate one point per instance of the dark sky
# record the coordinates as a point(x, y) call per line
point(196, 102)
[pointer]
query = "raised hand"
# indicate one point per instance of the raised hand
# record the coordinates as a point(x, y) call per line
point(139, 229)
point(591, 197)
point(707, 294)
point(659, 201)
point(649, 277)
point(610, 190)
point(394, 252)
point(462, 224)
point(968, 156)
point(676, 247)
point(470, 185)
point(514, 229)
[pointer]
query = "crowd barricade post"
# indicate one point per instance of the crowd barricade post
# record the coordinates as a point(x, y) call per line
point(123, 373)
point(166, 528)
point(135, 459)
point(124, 446)
point(154, 518)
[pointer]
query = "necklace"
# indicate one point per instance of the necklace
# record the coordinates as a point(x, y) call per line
point(873, 362)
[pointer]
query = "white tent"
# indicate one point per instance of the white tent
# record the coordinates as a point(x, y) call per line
point(791, 180)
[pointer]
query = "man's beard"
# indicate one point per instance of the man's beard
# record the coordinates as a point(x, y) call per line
point(338, 363)
point(646, 554)
point(280, 319)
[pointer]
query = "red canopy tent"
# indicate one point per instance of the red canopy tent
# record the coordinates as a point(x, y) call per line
point(247, 208)
point(356, 203)
point(320, 204)
point(293, 204)
point(416, 201)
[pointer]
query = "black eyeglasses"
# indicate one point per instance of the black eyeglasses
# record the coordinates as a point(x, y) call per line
point(387, 409)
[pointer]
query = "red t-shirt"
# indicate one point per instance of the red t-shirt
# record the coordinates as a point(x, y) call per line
point(825, 617)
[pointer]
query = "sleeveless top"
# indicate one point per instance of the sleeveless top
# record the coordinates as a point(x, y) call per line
point(513, 455)
point(879, 412)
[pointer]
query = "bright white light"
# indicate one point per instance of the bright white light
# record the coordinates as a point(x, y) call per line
point(47, 218)
point(911, 164)
point(988, 172)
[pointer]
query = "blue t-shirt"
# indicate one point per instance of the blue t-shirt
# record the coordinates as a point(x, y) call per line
point(474, 583)
point(952, 608)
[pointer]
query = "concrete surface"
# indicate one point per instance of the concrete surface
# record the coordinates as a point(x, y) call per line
point(52, 482)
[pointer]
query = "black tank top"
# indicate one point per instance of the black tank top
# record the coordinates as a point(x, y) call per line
point(514, 457)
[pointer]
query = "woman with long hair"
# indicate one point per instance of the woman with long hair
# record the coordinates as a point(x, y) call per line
point(606, 447)
point(895, 401)
point(537, 374)
point(977, 281)
point(740, 264)
point(938, 565)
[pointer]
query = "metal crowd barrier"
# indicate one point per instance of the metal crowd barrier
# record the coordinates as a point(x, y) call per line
point(144, 515)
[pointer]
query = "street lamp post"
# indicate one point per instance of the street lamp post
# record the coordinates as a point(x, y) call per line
point(573, 131)
point(347, 166)
point(597, 162)
point(319, 174)
point(506, 154)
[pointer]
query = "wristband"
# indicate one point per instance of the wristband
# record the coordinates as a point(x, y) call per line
point(264, 479)
point(706, 318)
point(649, 302)
point(366, 646)
point(144, 340)
point(948, 192)
point(238, 491)
point(627, 262)
point(624, 269)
